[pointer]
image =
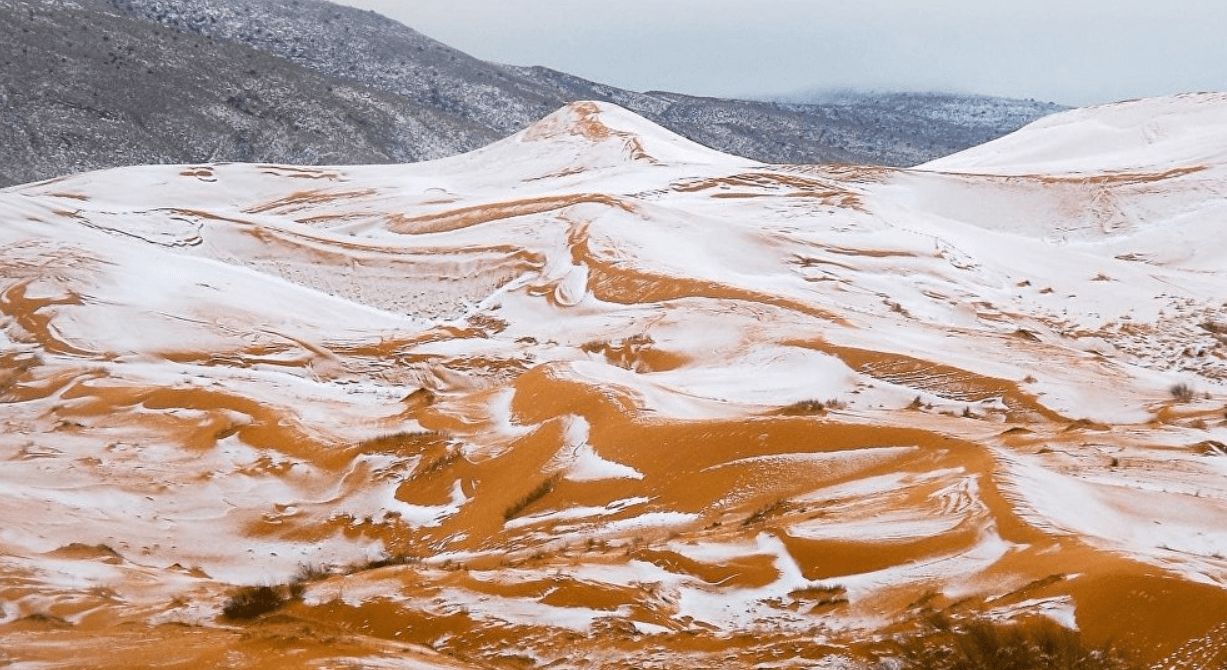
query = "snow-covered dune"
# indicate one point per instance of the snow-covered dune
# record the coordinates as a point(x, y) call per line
point(1148, 134)
point(597, 392)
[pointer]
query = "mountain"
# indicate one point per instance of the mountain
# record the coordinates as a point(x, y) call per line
point(84, 87)
point(95, 84)
point(597, 395)
point(366, 47)
point(975, 119)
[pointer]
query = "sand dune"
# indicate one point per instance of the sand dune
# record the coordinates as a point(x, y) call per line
point(600, 397)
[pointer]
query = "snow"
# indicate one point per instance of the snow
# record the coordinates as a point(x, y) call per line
point(588, 467)
point(1180, 531)
point(651, 520)
point(740, 608)
point(1060, 609)
point(1176, 131)
point(575, 513)
point(195, 372)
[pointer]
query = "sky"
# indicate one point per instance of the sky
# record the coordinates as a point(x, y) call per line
point(1074, 52)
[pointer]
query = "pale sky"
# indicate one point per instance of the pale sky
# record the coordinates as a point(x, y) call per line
point(1074, 52)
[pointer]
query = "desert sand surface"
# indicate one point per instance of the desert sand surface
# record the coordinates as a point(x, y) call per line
point(595, 396)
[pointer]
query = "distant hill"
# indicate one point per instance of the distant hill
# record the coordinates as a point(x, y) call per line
point(101, 83)
point(974, 118)
point(84, 87)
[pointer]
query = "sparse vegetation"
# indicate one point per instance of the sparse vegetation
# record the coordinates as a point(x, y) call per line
point(897, 308)
point(982, 644)
point(404, 442)
point(250, 602)
point(763, 512)
point(804, 408)
point(385, 561)
point(310, 572)
point(820, 596)
point(1182, 392)
point(437, 464)
point(542, 490)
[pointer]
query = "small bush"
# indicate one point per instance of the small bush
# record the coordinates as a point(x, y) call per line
point(820, 596)
point(1182, 392)
point(250, 602)
point(804, 408)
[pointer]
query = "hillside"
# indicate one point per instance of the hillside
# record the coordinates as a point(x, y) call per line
point(596, 395)
point(84, 88)
point(366, 47)
point(96, 84)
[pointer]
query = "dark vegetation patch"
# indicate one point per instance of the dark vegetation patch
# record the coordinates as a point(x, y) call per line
point(542, 490)
point(983, 644)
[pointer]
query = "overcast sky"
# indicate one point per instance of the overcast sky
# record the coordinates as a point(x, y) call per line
point(1070, 51)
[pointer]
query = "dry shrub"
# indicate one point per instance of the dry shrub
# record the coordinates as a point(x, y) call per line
point(250, 602)
point(542, 490)
point(982, 644)
point(1182, 392)
point(804, 408)
point(405, 442)
point(385, 561)
point(763, 512)
point(436, 464)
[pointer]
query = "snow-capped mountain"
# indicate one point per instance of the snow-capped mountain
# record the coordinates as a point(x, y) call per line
point(597, 395)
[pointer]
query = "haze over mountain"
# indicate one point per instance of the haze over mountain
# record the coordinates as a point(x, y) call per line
point(96, 84)
point(598, 396)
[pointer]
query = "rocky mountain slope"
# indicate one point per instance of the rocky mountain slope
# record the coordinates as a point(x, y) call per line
point(992, 117)
point(598, 396)
point(364, 46)
point(84, 87)
point(95, 84)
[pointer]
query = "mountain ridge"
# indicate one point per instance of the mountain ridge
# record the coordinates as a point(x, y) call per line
point(284, 82)
point(517, 96)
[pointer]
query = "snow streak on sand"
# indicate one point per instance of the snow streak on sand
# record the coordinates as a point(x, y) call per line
point(597, 394)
